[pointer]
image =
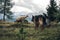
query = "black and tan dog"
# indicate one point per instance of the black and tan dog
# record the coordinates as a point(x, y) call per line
point(39, 21)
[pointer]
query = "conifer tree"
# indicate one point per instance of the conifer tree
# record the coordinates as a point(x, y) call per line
point(5, 9)
point(52, 10)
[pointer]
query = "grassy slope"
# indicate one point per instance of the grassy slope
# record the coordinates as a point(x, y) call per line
point(10, 31)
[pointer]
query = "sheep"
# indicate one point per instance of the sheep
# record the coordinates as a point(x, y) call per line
point(21, 19)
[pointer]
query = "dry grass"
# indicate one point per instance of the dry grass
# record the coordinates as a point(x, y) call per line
point(30, 32)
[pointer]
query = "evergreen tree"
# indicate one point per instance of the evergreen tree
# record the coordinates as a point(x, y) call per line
point(5, 9)
point(52, 10)
point(58, 16)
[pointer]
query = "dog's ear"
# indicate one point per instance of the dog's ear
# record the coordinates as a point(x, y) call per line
point(27, 16)
point(32, 18)
point(45, 15)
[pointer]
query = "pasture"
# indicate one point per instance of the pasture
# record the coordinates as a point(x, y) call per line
point(23, 31)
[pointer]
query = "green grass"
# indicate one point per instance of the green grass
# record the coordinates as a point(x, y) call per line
point(12, 32)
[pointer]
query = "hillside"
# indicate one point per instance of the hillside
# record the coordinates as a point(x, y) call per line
point(23, 31)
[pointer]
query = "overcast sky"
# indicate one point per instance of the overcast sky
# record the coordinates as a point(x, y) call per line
point(32, 7)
